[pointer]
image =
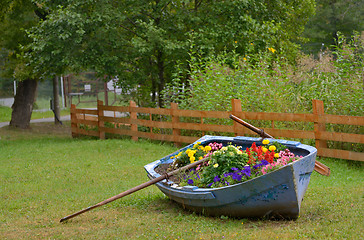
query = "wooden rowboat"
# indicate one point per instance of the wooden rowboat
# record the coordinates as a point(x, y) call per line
point(276, 194)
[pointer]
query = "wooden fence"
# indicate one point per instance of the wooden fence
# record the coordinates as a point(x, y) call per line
point(171, 125)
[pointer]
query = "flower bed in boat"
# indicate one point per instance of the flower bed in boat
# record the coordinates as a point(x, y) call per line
point(227, 165)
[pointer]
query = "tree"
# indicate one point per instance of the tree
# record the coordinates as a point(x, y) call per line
point(345, 16)
point(16, 16)
point(142, 41)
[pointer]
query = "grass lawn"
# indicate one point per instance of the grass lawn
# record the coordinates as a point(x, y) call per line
point(5, 114)
point(46, 175)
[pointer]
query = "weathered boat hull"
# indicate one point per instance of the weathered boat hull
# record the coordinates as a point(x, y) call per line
point(276, 194)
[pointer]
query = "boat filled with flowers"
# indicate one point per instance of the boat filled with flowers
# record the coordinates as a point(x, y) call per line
point(240, 177)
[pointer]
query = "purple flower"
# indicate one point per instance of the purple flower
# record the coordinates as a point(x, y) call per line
point(265, 162)
point(190, 182)
point(226, 175)
point(256, 166)
point(246, 171)
point(216, 179)
point(234, 169)
point(237, 177)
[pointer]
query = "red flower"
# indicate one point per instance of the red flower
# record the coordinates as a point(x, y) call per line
point(272, 156)
point(254, 147)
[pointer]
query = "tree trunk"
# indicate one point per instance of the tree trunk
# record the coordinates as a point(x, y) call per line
point(161, 81)
point(23, 103)
point(56, 109)
point(153, 80)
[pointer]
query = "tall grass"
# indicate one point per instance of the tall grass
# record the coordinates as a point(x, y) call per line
point(267, 85)
point(46, 177)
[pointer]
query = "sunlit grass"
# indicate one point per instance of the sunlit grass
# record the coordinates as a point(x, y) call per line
point(44, 177)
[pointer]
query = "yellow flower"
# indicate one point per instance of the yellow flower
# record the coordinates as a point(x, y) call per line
point(196, 145)
point(251, 43)
point(264, 149)
point(265, 141)
point(200, 158)
point(191, 153)
point(276, 155)
point(244, 59)
point(223, 148)
point(207, 149)
point(216, 165)
point(231, 153)
point(272, 50)
point(236, 41)
point(192, 159)
point(272, 148)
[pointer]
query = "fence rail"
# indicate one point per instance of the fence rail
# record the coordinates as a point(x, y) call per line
point(171, 125)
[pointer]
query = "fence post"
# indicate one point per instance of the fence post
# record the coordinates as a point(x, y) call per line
point(319, 126)
point(100, 114)
point(175, 120)
point(133, 120)
point(73, 120)
point(237, 110)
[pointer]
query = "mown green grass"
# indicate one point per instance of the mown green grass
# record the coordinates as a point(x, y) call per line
point(5, 114)
point(44, 177)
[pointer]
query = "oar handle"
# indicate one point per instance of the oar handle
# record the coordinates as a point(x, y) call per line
point(137, 188)
point(251, 127)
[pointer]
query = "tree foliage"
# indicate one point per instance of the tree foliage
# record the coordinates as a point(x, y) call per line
point(15, 16)
point(142, 41)
point(345, 16)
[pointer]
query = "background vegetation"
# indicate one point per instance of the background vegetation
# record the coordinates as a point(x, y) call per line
point(266, 83)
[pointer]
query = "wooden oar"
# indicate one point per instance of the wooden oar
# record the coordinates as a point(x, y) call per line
point(319, 167)
point(137, 188)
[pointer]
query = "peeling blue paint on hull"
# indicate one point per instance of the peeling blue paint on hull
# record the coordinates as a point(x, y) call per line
point(276, 194)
